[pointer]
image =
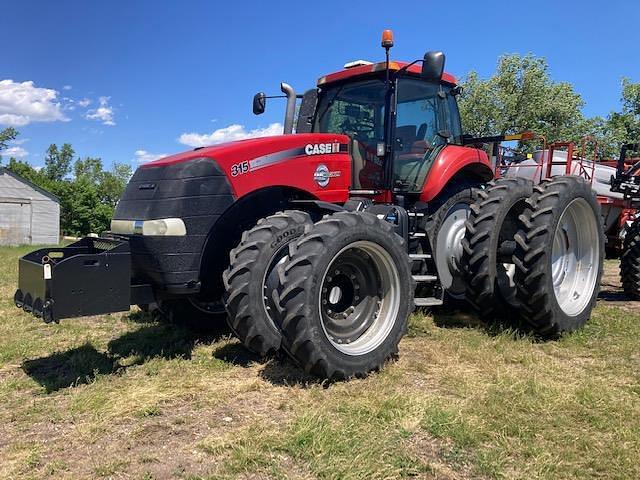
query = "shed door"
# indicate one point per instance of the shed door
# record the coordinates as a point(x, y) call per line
point(15, 223)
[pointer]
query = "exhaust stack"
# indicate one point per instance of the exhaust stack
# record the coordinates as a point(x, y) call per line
point(291, 107)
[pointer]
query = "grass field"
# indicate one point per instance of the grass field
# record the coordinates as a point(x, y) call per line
point(123, 397)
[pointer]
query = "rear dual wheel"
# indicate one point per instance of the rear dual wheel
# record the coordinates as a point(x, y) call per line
point(559, 254)
point(488, 247)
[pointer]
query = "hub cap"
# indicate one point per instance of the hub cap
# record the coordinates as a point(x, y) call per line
point(359, 298)
point(574, 257)
point(449, 249)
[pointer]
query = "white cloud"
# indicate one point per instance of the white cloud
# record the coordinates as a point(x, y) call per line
point(228, 134)
point(142, 156)
point(67, 87)
point(17, 152)
point(104, 112)
point(85, 102)
point(24, 103)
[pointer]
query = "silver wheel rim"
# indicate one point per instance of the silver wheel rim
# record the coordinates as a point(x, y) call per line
point(212, 307)
point(354, 319)
point(449, 249)
point(574, 257)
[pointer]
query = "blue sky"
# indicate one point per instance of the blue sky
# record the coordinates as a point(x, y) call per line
point(119, 78)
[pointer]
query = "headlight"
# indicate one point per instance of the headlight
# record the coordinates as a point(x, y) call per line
point(160, 227)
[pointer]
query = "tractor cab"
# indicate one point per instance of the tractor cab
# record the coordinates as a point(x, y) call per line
point(398, 117)
point(396, 126)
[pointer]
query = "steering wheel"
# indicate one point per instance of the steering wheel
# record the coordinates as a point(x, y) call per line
point(412, 175)
point(358, 129)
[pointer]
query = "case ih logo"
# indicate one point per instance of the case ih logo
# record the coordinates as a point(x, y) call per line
point(321, 148)
point(322, 175)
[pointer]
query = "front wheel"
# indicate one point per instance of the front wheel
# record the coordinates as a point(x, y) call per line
point(346, 292)
point(251, 279)
point(559, 255)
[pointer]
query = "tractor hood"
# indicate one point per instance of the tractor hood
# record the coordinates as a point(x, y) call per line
point(256, 147)
point(283, 160)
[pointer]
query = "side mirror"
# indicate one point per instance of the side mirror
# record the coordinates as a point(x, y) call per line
point(433, 66)
point(259, 103)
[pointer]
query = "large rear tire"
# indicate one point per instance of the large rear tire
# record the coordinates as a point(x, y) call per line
point(346, 293)
point(559, 255)
point(488, 247)
point(251, 279)
point(630, 262)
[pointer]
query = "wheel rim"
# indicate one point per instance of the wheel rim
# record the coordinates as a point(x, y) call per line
point(359, 298)
point(574, 257)
point(215, 307)
point(449, 249)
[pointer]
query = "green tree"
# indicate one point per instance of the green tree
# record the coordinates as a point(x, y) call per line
point(113, 183)
point(519, 96)
point(58, 162)
point(25, 170)
point(89, 169)
point(6, 136)
point(623, 126)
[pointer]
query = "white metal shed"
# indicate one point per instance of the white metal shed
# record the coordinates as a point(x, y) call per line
point(28, 214)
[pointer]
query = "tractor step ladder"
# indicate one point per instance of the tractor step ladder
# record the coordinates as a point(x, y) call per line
point(422, 257)
point(425, 278)
point(427, 302)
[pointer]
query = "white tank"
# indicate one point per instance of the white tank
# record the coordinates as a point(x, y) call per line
point(530, 169)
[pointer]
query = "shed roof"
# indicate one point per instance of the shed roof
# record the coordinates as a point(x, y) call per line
point(41, 190)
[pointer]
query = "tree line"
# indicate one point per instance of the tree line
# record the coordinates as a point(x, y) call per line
point(87, 192)
point(519, 96)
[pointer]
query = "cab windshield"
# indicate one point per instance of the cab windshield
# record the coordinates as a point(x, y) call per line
point(425, 120)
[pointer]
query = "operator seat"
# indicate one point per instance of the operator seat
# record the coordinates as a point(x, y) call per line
point(406, 134)
point(422, 132)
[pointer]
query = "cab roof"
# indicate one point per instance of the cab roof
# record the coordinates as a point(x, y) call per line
point(364, 70)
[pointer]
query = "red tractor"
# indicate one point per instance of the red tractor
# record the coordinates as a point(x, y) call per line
point(321, 242)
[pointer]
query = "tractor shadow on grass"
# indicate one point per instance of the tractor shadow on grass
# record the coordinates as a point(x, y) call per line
point(76, 366)
point(282, 372)
point(81, 365)
point(277, 369)
point(462, 318)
